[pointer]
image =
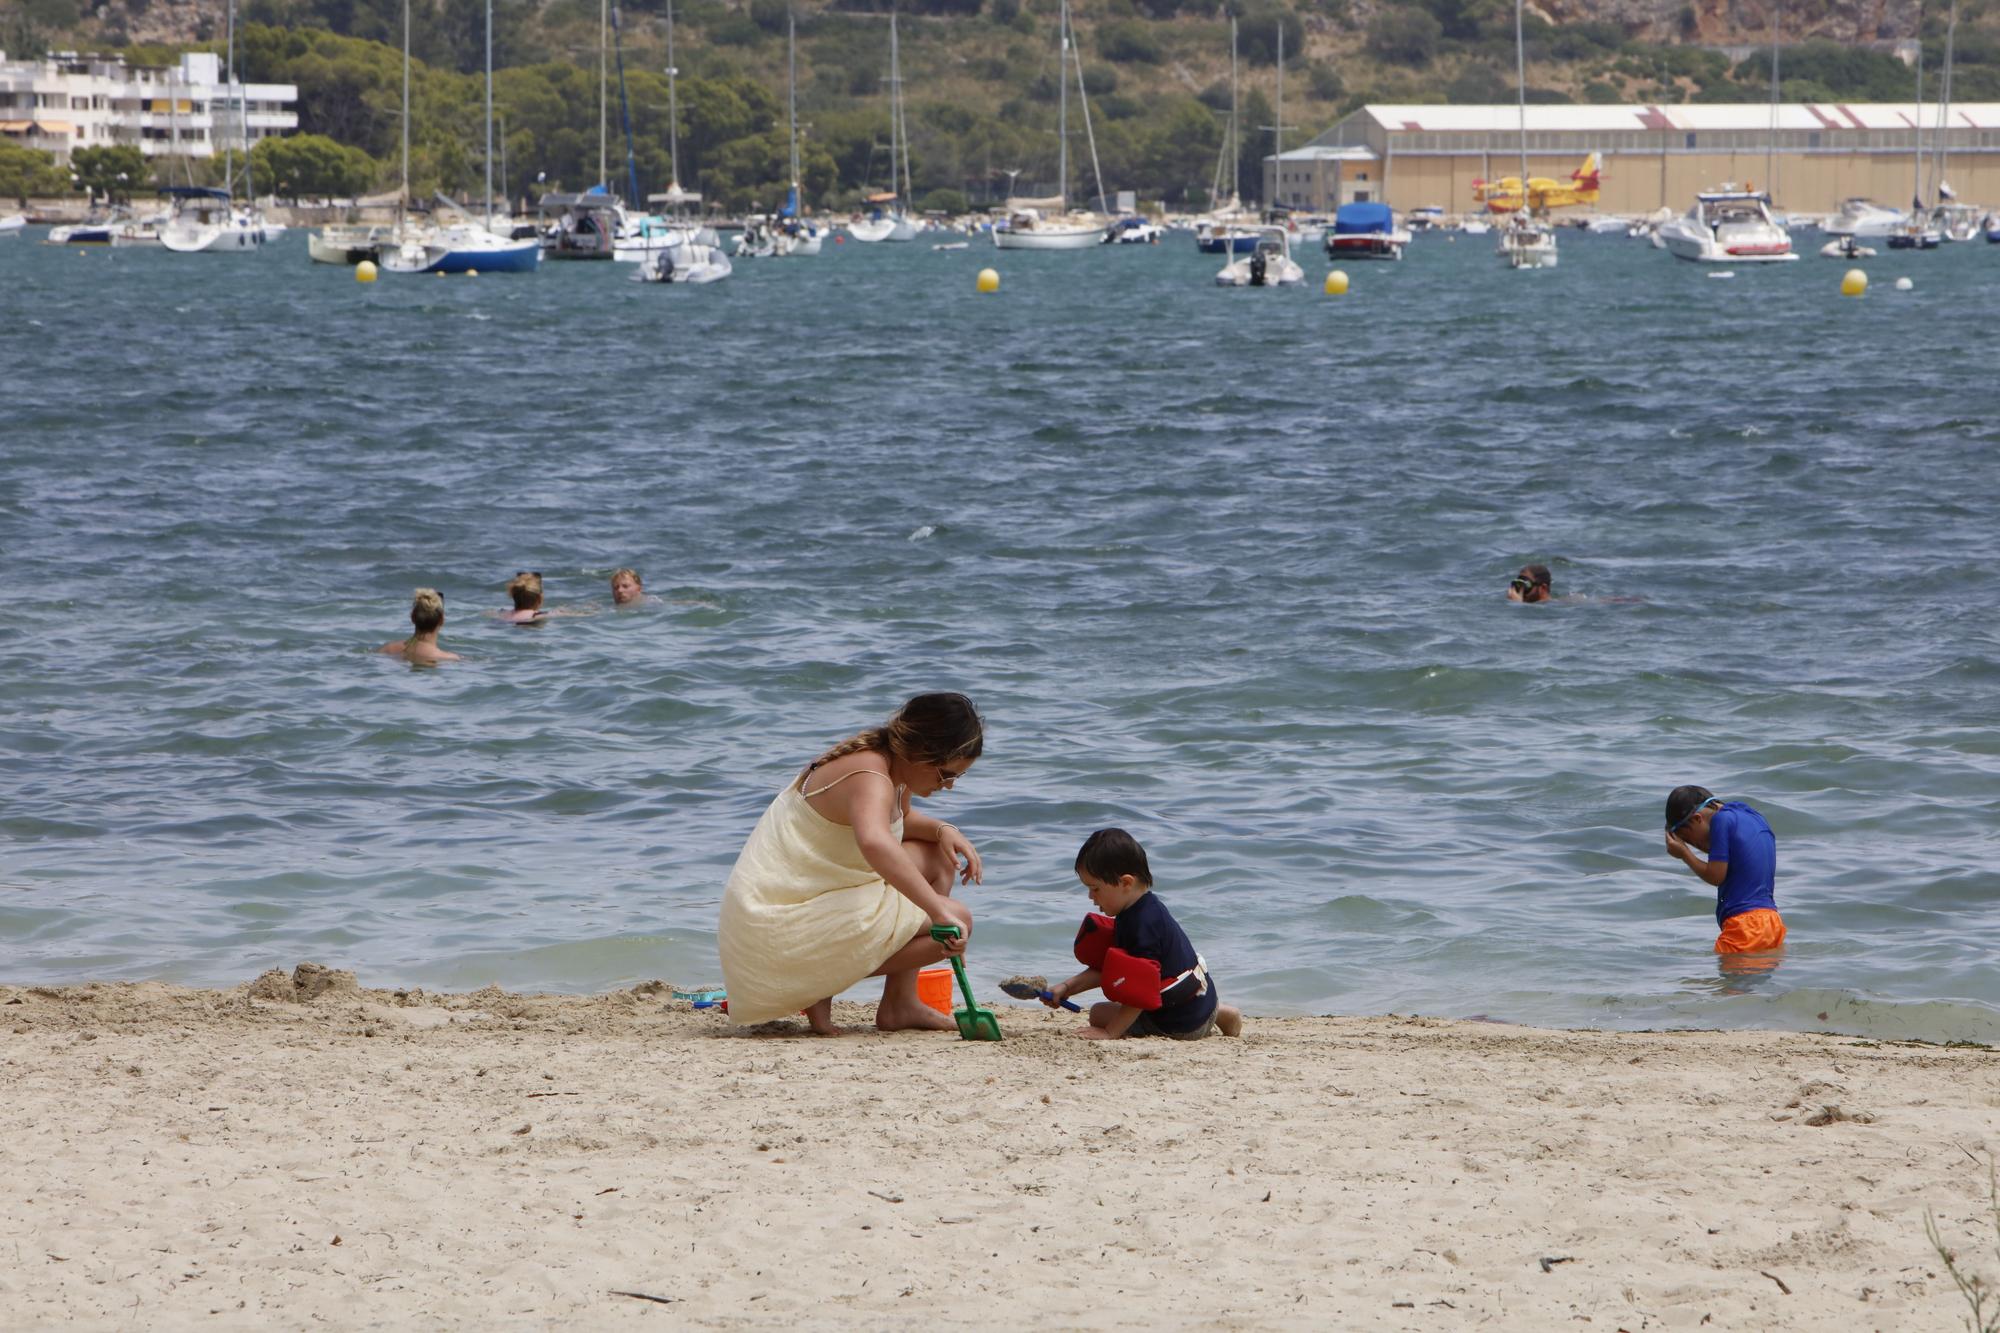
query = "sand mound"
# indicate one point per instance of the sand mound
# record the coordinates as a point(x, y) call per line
point(308, 982)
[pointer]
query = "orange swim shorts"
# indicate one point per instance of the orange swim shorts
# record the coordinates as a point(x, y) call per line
point(1754, 931)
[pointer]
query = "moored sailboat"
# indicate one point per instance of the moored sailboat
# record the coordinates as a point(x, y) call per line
point(1048, 224)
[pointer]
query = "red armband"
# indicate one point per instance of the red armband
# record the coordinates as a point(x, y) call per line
point(1093, 938)
point(1130, 980)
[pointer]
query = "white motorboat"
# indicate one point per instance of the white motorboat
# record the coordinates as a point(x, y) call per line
point(1269, 265)
point(206, 222)
point(1364, 231)
point(1728, 227)
point(1846, 247)
point(1527, 242)
point(1859, 217)
point(1476, 227)
point(693, 263)
point(888, 224)
point(349, 242)
point(12, 224)
point(1425, 217)
point(1134, 231)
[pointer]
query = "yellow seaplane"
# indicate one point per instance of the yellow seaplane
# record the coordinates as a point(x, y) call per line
point(1504, 195)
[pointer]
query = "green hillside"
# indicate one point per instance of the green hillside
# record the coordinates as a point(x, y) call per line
point(979, 79)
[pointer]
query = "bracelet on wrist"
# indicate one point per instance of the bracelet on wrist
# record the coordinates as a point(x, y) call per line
point(942, 826)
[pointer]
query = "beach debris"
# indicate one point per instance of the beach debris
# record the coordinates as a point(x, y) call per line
point(887, 1198)
point(647, 1296)
point(1549, 1264)
point(608, 1189)
point(522, 1130)
point(1832, 1114)
point(1775, 1278)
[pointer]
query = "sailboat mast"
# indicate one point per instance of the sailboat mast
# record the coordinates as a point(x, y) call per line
point(229, 84)
point(1235, 153)
point(1521, 100)
point(673, 107)
point(792, 90)
point(1944, 103)
point(403, 198)
point(489, 115)
point(1062, 116)
point(1771, 149)
point(603, 86)
point(1917, 164)
point(1278, 130)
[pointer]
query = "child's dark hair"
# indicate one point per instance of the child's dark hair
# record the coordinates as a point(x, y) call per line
point(1111, 852)
point(1684, 801)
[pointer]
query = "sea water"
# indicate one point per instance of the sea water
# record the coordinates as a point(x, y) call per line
point(1225, 568)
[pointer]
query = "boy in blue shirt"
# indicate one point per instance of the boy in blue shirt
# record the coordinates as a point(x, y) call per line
point(1742, 864)
point(1157, 985)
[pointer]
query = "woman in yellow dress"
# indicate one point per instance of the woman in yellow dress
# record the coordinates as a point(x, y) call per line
point(842, 880)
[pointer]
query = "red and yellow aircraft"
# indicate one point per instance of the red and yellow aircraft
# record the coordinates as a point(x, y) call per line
point(1504, 195)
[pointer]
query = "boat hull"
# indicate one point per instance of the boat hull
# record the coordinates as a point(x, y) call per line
point(1081, 238)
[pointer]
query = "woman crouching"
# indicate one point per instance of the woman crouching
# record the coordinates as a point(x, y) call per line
point(842, 880)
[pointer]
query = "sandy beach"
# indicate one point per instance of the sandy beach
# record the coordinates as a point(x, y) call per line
point(300, 1153)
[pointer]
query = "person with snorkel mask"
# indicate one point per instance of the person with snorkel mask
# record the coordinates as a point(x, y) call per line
point(1742, 865)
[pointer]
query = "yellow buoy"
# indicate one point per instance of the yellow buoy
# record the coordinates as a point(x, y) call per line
point(989, 280)
point(472, 273)
point(1853, 282)
point(365, 271)
point(441, 273)
point(1336, 283)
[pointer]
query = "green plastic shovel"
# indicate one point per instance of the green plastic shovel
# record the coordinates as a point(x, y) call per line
point(974, 1023)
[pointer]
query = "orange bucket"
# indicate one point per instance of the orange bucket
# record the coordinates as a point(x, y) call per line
point(934, 988)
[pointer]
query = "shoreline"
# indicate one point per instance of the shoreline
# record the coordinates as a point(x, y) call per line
point(297, 1146)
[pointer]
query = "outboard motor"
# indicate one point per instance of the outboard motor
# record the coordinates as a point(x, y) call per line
point(1259, 269)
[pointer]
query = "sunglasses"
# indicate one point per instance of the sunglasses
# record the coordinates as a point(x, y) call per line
point(1526, 586)
point(948, 776)
point(1677, 827)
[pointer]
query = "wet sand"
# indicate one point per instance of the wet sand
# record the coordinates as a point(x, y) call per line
point(283, 1155)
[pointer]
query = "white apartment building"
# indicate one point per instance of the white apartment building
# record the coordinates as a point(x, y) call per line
point(66, 101)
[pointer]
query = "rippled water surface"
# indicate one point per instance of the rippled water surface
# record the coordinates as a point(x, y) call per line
point(1224, 568)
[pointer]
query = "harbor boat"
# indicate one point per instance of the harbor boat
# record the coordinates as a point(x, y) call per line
point(1525, 240)
point(1862, 218)
point(1846, 247)
point(349, 242)
point(207, 221)
point(94, 231)
point(692, 262)
point(1134, 231)
point(1474, 226)
point(464, 247)
point(13, 224)
point(1229, 229)
point(1425, 217)
point(1269, 265)
point(1957, 222)
point(789, 233)
point(1049, 224)
point(1915, 232)
point(581, 226)
point(888, 222)
point(1365, 231)
point(1728, 227)
point(1991, 224)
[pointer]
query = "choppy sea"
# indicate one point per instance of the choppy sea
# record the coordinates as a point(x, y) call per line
point(1225, 568)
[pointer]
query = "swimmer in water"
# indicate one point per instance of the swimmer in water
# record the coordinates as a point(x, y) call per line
point(626, 589)
point(1531, 585)
point(526, 590)
point(426, 617)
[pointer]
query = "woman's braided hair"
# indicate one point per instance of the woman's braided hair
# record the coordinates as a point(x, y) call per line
point(929, 729)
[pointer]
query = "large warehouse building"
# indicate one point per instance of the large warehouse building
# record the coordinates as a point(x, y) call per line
point(1653, 156)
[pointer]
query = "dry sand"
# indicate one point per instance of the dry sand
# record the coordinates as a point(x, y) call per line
point(302, 1154)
